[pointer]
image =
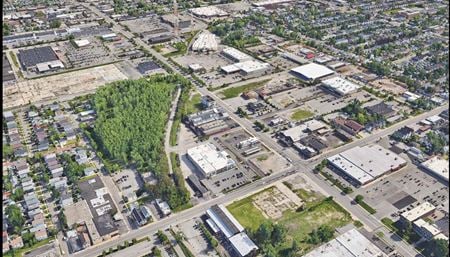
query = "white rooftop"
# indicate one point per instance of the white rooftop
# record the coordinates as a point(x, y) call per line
point(267, 2)
point(242, 243)
point(351, 243)
point(236, 54)
point(434, 119)
point(340, 85)
point(432, 229)
point(313, 71)
point(208, 11)
point(438, 166)
point(366, 163)
point(82, 42)
point(216, 218)
point(209, 159)
point(298, 132)
point(251, 66)
point(205, 41)
point(418, 211)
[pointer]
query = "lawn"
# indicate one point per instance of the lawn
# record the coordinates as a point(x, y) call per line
point(301, 115)
point(236, 91)
point(246, 213)
point(193, 105)
point(300, 224)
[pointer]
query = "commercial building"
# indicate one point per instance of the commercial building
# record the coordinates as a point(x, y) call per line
point(311, 72)
point(39, 59)
point(235, 55)
point(247, 68)
point(437, 166)
point(222, 222)
point(349, 126)
point(367, 163)
point(82, 42)
point(271, 2)
point(351, 243)
point(208, 122)
point(208, 12)
point(340, 86)
point(209, 161)
point(184, 21)
point(163, 207)
point(206, 41)
point(382, 109)
point(292, 135)
point(425, 230)
point(418, 212)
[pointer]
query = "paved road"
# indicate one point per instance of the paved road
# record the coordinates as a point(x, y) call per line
point(299, 166)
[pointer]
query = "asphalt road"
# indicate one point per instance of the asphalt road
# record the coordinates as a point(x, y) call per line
point(298, 165)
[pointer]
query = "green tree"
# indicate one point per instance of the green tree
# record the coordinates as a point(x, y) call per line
point(278, 234)
point(15, 217)
point(359, 198)
point(7, 151)
point(17, 195)
point(55, 24)
point(264, 232)
point(162, 237)
point(325, 233)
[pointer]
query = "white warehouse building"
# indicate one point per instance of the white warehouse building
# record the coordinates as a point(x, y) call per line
point(340, 86)
point(209, 161)
point(206, 41)
point(367, 163)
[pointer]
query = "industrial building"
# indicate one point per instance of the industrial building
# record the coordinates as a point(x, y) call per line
point(437, 166)
point(418, 212)
point(292, 135)
point(222, 222)
point(340, 86)
point(381, 109)
point(247, 68)
point(184, 21)
point(235, 55)
point(209, 161)
point(311, 72)
point(81, 42)
point(208, 12)
point(206, 41)
point(39, 59)
point(208, 122)
point(351, 243)
point(367, 163)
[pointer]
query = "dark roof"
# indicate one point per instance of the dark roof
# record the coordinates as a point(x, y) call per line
point(31, 57)
point(74, 244)
point(7, 74)
point(314, 142)
point(145, 67)
point(138, 216)
point(380, 109)
point(404, 131)
point(105, 224)
point(225, 219)
point(193, 179)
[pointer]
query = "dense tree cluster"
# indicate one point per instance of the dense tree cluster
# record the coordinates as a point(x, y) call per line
point(130, 126)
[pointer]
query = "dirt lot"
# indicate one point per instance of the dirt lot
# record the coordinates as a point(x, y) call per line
point(389, 86)
point(60, 86)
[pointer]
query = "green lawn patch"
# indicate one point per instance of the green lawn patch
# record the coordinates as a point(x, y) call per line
point(236, 91)
point(246, 213)
point(327, 212)
point(301, 115)
point(23, 251)
point(194, 104)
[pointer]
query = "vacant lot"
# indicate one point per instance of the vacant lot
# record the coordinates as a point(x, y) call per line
point(301, 115)
point(236, 91)
point(246, 213)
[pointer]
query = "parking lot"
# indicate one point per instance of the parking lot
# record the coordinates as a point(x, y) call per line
point(403, 190)
point(196, 239)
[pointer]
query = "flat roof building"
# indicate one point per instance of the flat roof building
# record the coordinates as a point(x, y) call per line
point(208, 12)
point(367, 163)
point(206, 41)
point(242, 244)
point(437, 166)
point(247, 68)
point(235, 55)
point(340, 86)
point(311, 72)
point(351, 243)
point(209, 160)
point(418, 212)
point(224, 220)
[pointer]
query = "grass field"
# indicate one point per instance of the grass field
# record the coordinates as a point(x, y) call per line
point(193, 105)
point(246, 213)
point(301, 115)
point(236, 91)
point(300, 224)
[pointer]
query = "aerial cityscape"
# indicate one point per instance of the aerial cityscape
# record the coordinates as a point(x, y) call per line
point(225, 128)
